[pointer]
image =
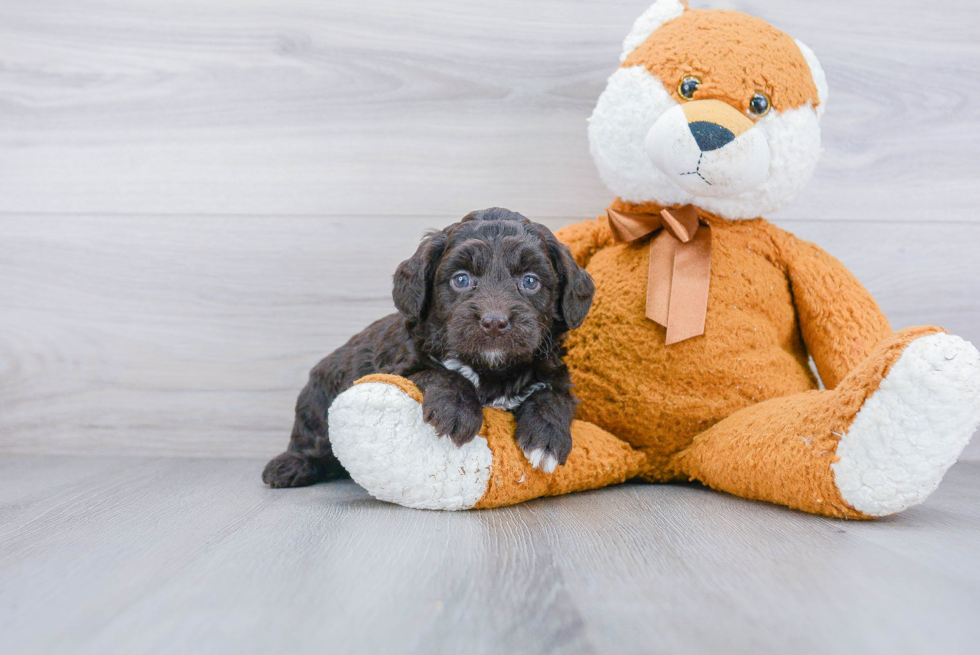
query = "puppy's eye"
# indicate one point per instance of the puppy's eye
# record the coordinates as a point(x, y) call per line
point(461, 281)
point(530, 283)
point(687, 87)
point(759, 105)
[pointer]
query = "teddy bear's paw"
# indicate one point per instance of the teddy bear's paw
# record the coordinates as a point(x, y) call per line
point(378, 434)
point(912, 429)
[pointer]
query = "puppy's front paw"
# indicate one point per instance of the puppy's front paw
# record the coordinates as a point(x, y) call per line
point(454, 417)
point(544, 444)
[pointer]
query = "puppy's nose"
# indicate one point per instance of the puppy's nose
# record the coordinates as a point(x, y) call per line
point(494, 322)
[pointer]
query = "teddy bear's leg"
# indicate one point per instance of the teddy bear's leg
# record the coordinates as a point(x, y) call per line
point(377, 432)
point(877, 444)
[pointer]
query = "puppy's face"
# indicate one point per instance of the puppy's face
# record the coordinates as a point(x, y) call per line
point(493, 289)
point(496, 293)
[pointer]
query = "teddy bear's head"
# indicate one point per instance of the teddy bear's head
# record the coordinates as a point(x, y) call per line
point(712, 108)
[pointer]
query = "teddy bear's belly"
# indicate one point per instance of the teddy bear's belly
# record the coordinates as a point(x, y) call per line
point(659, 397)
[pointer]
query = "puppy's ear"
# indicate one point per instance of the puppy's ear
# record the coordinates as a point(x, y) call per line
point(413, 278)
point(575, 289)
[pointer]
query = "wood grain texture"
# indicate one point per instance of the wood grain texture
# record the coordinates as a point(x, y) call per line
point(151, 555)
point(192, 336)
point(199, 199)
point(435, 107)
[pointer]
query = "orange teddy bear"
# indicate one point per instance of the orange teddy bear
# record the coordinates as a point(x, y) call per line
point(694, 361)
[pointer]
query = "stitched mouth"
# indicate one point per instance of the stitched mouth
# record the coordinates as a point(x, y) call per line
point(697, 171)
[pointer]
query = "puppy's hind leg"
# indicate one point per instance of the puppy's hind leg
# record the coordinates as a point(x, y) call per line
point(309, 458)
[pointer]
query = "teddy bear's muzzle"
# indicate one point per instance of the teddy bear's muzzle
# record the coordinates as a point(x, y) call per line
point(708, 148)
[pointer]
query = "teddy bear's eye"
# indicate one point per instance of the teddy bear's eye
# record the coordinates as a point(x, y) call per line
point(759, 105)
point(687, 87)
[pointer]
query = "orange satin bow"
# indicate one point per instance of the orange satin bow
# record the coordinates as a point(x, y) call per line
point(680, 265)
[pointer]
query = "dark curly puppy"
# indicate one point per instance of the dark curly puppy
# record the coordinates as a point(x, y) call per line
point(483, 309)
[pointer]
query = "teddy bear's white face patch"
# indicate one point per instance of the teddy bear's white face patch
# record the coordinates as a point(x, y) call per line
point(631, 103)
point(707, 158)
point(640, 140)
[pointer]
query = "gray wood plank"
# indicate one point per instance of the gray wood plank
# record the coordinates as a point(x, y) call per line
point(192, 336)
point(434, 107)
point(701, 572)
point(151, 555)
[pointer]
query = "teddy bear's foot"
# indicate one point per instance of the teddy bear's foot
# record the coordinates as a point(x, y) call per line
point(876, 444)
point(912, 428)
point(378, 434)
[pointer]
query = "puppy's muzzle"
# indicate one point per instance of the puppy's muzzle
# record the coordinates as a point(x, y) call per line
point(709, 148)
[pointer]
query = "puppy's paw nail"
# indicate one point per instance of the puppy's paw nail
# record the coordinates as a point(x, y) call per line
point(539, 459)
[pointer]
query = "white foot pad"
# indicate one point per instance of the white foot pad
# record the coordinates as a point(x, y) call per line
point(912, 429)
point(379, 436)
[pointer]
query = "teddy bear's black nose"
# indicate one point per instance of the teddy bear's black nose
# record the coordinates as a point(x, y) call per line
point(711, 136)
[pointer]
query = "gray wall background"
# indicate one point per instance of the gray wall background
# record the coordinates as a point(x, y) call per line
point(198, 200)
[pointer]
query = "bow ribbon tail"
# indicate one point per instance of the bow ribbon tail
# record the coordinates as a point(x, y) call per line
point(677, 284)
point(659, 276)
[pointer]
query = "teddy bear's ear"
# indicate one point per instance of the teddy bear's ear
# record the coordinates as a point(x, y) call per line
point(659, 13)
point(819, 77)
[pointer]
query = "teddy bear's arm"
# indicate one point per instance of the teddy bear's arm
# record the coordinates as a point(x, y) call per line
point(840, 321)
point(585, 239)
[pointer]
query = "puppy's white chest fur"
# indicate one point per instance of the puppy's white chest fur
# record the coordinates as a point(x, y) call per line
point(508, 403)
point(462, 369)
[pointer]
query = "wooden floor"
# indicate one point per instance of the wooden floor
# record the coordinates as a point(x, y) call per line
point(201, 198)
point(166, 555)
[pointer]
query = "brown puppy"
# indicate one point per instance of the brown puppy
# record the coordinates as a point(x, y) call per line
point(483, 309)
